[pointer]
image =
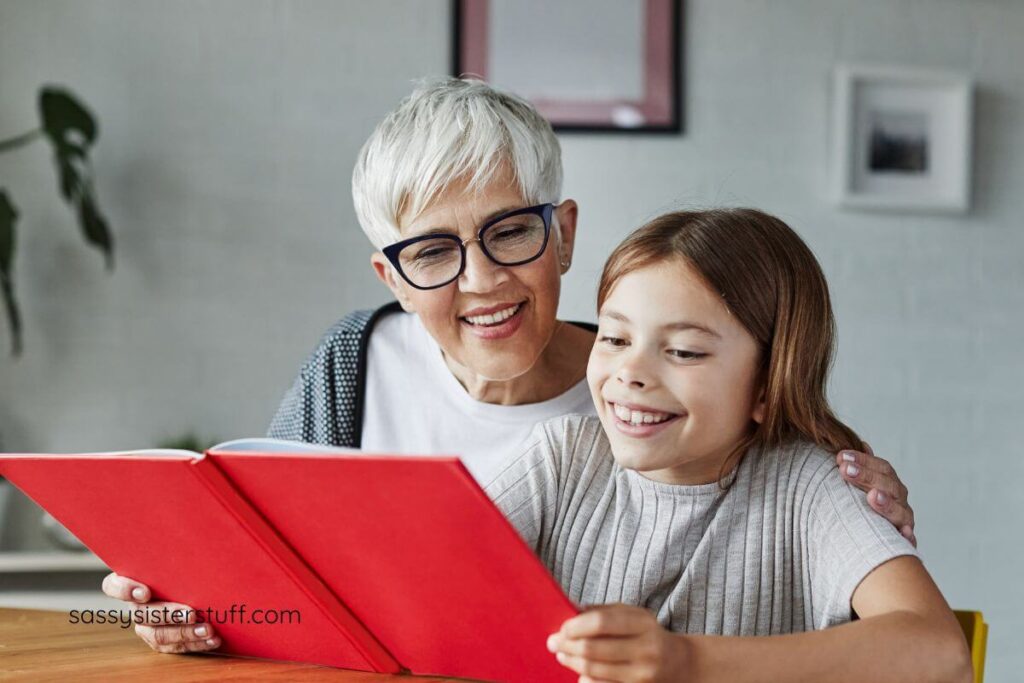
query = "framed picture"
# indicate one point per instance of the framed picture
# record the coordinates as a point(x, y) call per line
point(902, 139)
point(614, 69)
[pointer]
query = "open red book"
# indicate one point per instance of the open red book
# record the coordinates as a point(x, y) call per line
point(392, 564)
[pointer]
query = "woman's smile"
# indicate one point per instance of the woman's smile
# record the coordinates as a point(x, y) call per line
point(498, 325)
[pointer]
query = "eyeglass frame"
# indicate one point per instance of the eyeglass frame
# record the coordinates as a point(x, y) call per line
point(545, 211)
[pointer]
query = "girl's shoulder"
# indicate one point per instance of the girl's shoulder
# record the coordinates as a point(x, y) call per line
point(800, 466)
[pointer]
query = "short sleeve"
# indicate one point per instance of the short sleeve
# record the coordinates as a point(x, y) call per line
point(525, 490)
point(847, 540)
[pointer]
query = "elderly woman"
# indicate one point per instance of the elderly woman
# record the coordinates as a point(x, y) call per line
point(459, 190)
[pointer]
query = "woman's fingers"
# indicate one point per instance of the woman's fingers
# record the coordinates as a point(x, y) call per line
point(868, 472)
point(899, 514)
point(178, 639)
point(886, 493)
point(165, 613)
point(168, 627)
point(123, 588)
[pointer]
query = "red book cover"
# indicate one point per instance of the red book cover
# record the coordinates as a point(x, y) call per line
point(394, 563)
point(419, 554)
point(173, 523)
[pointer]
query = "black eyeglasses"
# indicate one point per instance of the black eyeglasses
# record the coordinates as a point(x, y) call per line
point(511, 239)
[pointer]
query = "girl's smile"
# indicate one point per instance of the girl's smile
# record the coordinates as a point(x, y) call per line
point(640, 421)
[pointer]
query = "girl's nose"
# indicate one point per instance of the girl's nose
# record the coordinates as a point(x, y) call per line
point(633, 373)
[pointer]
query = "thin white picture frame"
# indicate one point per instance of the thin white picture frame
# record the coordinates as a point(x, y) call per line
point(937, 105)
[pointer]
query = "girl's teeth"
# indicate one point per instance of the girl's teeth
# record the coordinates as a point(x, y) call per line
point(494, 318)
point(637, 417)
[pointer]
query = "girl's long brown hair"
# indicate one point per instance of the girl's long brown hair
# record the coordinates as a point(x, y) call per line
point(771, 282)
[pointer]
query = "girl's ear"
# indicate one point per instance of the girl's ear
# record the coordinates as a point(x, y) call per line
point(760, 407)
point(386, 274)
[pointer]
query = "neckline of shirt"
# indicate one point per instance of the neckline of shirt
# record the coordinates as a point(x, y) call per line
point(564, 403)
point(680, 490)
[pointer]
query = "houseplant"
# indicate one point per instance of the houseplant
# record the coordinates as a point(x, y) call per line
point(71, 131)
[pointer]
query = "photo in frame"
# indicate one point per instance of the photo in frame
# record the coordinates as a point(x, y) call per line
point(902, 139)
point(613, 70)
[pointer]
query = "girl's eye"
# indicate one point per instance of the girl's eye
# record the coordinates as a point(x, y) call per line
point(613, 341)
point(686, 355)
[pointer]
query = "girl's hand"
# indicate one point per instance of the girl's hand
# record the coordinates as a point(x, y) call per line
point(619, 643)
point(886, 493)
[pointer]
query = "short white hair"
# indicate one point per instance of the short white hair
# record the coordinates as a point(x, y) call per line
point(446, 131)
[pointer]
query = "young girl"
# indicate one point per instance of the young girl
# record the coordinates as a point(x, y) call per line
point(703, 500)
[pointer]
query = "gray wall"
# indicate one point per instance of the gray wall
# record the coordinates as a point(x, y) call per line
point(229, 130)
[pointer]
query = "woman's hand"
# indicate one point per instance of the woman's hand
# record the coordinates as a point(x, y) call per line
point(162, 631)
point(619, 643)
point(886, 493)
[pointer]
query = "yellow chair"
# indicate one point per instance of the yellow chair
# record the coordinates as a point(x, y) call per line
point(976, 632)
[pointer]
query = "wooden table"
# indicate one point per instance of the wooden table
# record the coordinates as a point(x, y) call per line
point(40, 645)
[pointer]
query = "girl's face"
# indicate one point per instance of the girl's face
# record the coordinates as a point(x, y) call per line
point(673, 375)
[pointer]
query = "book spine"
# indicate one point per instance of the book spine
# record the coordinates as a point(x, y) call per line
point(362, 640)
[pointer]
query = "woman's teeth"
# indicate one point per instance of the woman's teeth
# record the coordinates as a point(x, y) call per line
point(493, 318)
point(637, 417)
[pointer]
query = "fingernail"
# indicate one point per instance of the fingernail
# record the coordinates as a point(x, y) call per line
point(552, 643)
point(212, 642)
point(848, 456)
point(139, 593)
point(201, 631)
point(560, 656)
point(852, 470)
point(882, 498)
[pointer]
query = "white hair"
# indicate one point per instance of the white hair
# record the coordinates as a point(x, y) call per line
point(446, 131)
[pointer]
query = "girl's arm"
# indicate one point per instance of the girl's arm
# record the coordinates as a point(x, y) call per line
point(906, 632)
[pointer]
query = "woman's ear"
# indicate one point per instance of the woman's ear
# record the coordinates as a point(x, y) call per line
point(566, 214)
point(386, 273)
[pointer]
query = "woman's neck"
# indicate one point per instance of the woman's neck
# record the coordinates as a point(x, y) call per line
point(562, 364)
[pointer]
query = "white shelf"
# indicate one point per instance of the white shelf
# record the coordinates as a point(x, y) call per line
point(56, 561)
point(60, 600)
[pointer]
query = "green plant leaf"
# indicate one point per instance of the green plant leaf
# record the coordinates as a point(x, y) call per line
point(8, 217)
point(71, 129)
point(65, 119)
point(94, 226)
point(70, 178)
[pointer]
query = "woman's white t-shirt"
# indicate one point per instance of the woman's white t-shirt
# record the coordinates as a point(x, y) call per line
point(416, 406)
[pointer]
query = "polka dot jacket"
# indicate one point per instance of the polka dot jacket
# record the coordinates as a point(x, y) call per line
point(325, 404)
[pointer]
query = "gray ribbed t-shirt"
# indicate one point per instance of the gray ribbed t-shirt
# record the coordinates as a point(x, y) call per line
point(780, 551)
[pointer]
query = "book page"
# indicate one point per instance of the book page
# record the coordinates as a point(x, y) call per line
point(267, 445)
